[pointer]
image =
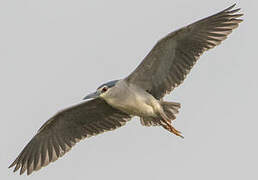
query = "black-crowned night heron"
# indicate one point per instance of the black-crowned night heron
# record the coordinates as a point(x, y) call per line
point(140, 94)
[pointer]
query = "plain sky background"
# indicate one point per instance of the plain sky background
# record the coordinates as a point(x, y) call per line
point(54, 52)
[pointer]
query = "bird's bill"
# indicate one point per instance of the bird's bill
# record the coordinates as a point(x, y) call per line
point(92, 95)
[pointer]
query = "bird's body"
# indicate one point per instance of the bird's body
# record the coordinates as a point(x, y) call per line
point(132, 100)
point(139, 94)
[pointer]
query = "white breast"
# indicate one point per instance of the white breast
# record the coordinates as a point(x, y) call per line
point(132, 100)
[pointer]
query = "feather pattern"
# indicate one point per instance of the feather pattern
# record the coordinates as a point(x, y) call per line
point(65, 129)
point(172, 58)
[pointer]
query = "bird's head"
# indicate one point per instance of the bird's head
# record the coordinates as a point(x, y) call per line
point(102, 90)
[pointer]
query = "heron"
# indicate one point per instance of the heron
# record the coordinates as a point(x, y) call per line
point(139, 94)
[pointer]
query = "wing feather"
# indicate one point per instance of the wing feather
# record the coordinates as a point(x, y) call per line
point(171, 59)
point(65, 129)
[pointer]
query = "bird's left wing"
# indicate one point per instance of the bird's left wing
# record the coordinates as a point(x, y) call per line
point(63, 130)
point(171, 59)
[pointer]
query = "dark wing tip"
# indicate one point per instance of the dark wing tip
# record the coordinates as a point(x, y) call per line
point(230, 7)
point(230, 11)
point(13, 163)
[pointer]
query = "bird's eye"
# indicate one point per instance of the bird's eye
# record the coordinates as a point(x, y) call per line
point(104, 89)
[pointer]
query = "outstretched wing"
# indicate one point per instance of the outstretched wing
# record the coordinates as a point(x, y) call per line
point(67, 127)
point(171, 59)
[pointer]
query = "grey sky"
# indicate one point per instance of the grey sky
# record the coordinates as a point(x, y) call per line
point(54, 52)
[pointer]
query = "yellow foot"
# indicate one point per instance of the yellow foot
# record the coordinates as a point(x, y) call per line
point(176, 132)
point(170, 128)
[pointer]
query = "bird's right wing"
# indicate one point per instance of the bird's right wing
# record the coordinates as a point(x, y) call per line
point(63, 130)
point(172, 58)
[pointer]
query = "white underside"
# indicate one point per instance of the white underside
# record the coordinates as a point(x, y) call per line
point(132, 100)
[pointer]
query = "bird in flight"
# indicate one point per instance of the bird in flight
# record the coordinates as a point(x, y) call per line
point(139, 94)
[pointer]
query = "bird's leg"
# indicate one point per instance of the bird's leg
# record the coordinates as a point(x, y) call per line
point(168, 126)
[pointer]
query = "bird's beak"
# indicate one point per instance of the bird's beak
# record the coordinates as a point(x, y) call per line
point(92, 95)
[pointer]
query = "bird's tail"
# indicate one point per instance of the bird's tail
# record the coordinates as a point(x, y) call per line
point(170, 109)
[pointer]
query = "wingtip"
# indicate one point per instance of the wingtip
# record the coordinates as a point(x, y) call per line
point(240, 20)
point(234, 11)
point(13, 163)
point(230, 7)
point(23, 169)
point(230, 11)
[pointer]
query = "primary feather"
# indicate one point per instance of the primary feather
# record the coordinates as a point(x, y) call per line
point(172, 58)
